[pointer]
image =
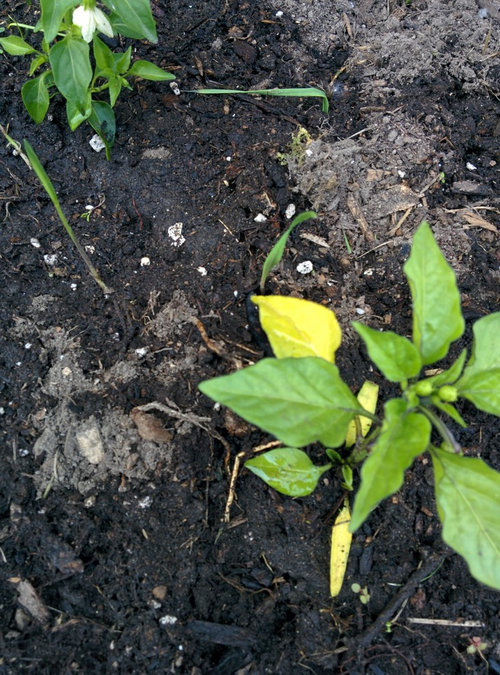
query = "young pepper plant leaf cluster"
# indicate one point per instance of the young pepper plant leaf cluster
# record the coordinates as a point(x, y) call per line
point(63, 62)
point(300, 398)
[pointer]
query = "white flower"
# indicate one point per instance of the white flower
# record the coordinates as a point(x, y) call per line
point(90, 20)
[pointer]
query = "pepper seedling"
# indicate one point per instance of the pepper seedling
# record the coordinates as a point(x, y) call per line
point(300, 398)
point(63, 60)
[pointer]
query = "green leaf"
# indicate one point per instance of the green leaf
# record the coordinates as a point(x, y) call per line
point(483, 390)
point(276, 253)
point(102, 120)
point(299, 401)
point(480, 382)
point(70, 64)
point(77, 115)
point(52, 15)
point(35, 95)
point(16, 46)
point(395, 356)
point(467, 497)
point(437, 318)
point(287, 470)
point(404, 436)
point(451, 375)
point(103, 55)
point(122, 61)
point(149, 71)
point(297, 327)
point(485, 348)
point(297, 92)
point(449, 410)
point(132, 18)
point(37, 62)
point(115, 87)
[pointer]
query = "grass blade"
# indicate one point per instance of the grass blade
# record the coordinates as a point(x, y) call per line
point(297, 92)
point(49, 189)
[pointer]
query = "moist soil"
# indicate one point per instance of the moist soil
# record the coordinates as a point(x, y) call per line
point(115, 555)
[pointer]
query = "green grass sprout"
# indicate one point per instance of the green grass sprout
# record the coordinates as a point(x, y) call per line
point(297, 92)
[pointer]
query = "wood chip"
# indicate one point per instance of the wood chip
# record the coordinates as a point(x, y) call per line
point(30, 601)
point(150, 427)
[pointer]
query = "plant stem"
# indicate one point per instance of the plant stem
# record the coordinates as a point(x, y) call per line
point(441, 428)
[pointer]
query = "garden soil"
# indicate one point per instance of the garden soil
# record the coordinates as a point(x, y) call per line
point(115, 553)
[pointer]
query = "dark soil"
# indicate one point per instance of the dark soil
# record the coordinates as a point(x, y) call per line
point(114, 553)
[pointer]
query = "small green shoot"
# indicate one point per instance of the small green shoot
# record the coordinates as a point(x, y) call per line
point(276, 253)
point(301, 398)
point(32, 159)
point(364, 595)
point(297, 92)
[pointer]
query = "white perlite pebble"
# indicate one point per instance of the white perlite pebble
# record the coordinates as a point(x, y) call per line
point(145, 262)
point(34, 242)
point(96, 143)
point(290, 211)
point(260, 218)
point(50, 259)
point(305, 267)
point(168, 620)
point(175, 234)
point(202, 271)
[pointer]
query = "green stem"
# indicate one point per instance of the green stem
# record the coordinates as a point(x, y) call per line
point(441, 428)
point(49, 188)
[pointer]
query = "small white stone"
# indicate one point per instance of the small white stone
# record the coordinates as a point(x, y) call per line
point(290, 211)
point(217, 406)
point(401, 174)
point(235, 293)
point(260, 218)
point(23, 452)
point(28, 345)
point(145, 262)
point(202, 271)
point(279, 14)
point(73, 287)
point(309, 152)
point(228, 158)
point(360, 311)
point(305, 267)
point(168, 620)
point(34, 242)
point(368, 272)
point(175, 234)
point(471, 166)
point(141, 352)
point(2, 411)
point(96, 143)
point(145, 502)
point(50, 259)
point(89, 248)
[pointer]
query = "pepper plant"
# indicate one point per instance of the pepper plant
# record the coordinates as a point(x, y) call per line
point(64, 63)
point(301, 398)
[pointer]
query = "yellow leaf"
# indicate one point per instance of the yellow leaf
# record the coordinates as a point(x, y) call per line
point(341, 545)
point(367, 396)
point(297, 328)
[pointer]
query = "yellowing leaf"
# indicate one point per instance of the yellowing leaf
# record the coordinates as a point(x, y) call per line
point(367, 396)
point(297, 328)
point(341, 545)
